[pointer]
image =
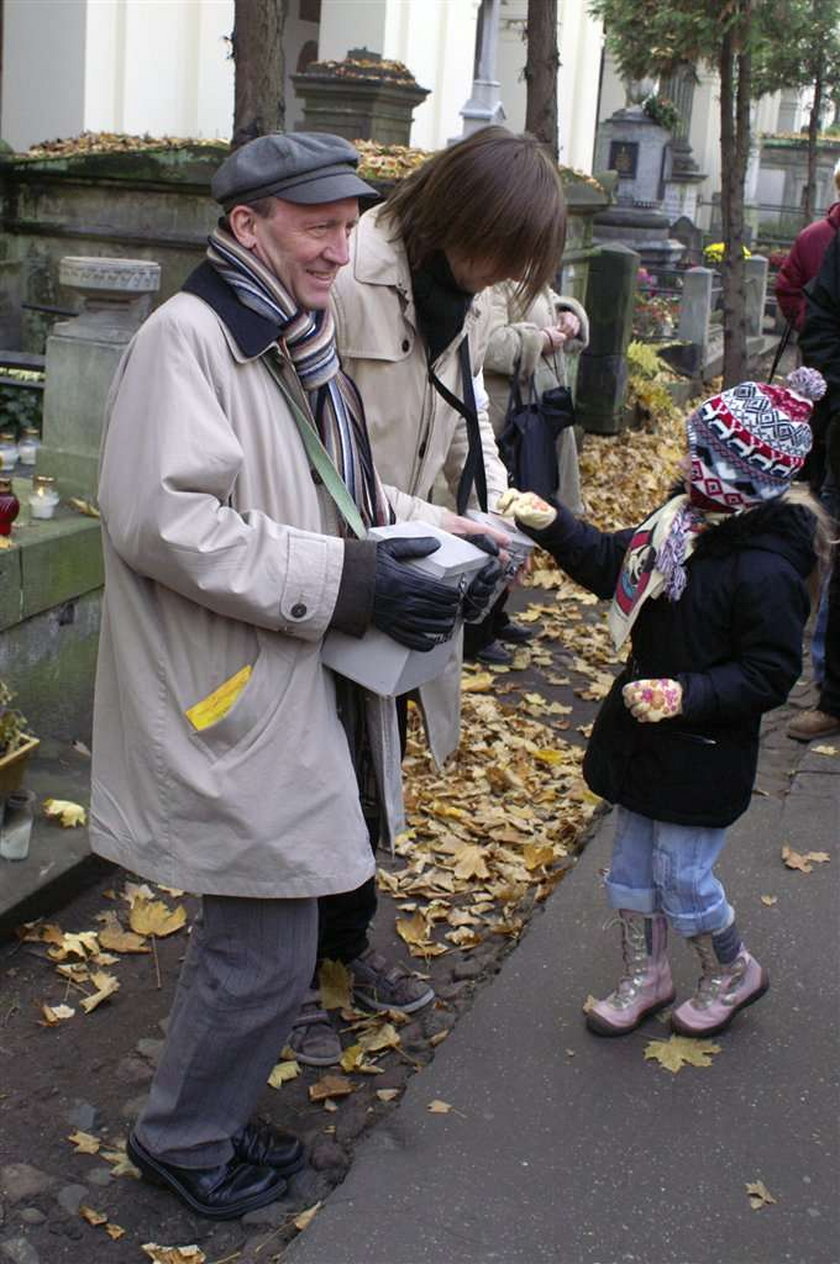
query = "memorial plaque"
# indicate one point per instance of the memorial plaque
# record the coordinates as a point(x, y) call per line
point(624, 158)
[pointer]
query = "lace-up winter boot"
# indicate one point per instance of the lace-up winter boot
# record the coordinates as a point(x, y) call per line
point(645, 986)
point(731, 979)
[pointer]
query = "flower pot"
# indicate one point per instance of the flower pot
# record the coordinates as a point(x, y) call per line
point(13, 766)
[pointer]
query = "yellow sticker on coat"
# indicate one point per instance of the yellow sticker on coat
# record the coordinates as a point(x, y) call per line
point(217, 704)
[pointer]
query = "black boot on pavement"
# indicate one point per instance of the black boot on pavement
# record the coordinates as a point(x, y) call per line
point(225, 1192)
point(263, 1145)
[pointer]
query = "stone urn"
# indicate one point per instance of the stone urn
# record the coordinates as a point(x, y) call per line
point(362, 97)
point(116, 293)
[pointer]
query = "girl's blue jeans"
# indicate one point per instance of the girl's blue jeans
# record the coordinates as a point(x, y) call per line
point(658, 867)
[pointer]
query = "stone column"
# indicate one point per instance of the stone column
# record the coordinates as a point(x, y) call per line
point(695, 309)
point(602, 370)
point(82, 356)
point(755, 269)
point(485, 105)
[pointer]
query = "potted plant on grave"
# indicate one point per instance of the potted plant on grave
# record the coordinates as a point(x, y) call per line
point(16, 745)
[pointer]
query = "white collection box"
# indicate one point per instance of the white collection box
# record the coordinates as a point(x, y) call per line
point(519, 550)
point(521, 545)
point(380, 663)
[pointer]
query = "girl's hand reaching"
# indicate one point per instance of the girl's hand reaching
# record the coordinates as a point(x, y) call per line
point(649, 701)
point(529, 508)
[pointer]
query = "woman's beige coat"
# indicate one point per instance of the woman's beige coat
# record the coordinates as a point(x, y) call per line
point(515, 335)
point(416, 436)
point(220, 552)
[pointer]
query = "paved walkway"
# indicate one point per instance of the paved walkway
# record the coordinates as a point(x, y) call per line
point(567, 1148)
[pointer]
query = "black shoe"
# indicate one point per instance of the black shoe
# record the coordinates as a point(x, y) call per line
point(515, 633)
point(264, 1146)
point(220, 1193)
point(494, 655)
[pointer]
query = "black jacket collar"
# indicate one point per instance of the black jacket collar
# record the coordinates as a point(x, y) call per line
point(252, 333)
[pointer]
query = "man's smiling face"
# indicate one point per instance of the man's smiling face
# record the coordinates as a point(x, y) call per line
point(304, 246)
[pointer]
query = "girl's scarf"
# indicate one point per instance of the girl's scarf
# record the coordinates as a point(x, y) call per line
point(309, 338)
point(655, 561)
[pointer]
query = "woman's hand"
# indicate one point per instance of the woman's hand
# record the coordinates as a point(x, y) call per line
point(455, 524)
point(567, 326)
point(650, 701)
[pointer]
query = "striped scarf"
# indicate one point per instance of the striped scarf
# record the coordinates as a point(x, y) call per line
point(309, 338)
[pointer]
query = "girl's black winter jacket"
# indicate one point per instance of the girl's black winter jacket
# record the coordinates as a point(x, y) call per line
point(733, 641)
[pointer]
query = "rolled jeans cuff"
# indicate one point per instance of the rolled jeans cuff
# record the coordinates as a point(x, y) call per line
point(714, 919)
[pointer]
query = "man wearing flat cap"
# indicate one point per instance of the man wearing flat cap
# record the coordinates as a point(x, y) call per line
point(236, 490)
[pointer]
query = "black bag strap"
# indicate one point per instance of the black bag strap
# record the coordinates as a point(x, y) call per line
point(780, 350)
point(473, 471)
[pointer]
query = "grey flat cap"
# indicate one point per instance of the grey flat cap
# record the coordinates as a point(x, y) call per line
point(306, 167)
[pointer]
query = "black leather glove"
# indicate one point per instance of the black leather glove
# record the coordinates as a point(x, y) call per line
point(411, 607)
point(477, 598)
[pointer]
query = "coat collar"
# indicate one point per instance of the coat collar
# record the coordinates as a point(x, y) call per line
point(253, 334)
point(380, 257)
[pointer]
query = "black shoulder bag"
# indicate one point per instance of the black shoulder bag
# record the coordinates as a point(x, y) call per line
point(528, 441)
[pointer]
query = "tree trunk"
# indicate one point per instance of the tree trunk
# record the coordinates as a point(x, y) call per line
point(735, 74)
point(259, 104)
point(813, 131)
point(541, 65)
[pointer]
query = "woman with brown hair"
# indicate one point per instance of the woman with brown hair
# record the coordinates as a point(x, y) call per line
point(412, 318)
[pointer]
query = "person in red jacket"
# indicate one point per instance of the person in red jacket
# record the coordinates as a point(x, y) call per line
point(804, 261)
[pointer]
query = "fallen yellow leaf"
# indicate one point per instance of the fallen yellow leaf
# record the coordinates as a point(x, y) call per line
point(769, 900)
point(482, 682)
point(84, 1142)
point(114, 1231)
point(387, 1094)
point(336, 985)
point(824, 750)
point(805, 861)
point(83, 507)
point(282, 1073)
point(384, 1037)
point(74, 945)
point(69, 814)
point(113, 937)
point(437, 1107)
point(106, 986)
point(173, 1254)
point(153, 917)
point(681, 1051)
point(759, 1195)
point(55, 1014)
point(305, 1218)
point(121, 1164)
point(331, 1086)
point(414, 929)
point(91, 1216)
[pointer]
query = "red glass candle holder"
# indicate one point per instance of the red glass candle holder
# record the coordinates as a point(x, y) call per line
point(9, 506)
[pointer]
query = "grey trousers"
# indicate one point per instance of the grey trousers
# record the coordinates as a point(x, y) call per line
point(247, 967)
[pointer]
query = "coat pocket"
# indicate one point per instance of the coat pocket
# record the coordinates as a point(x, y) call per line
point(251, 709)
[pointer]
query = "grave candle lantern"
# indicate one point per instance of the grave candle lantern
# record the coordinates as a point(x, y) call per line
point(9, 506)
point(44, 497)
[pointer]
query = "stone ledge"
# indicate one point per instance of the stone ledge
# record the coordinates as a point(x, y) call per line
point(51, 561)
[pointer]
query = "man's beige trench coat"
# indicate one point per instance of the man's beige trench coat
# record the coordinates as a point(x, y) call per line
point(415, 435)
point(221, 552)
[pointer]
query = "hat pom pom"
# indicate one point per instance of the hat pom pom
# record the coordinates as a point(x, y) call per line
point(809, 383)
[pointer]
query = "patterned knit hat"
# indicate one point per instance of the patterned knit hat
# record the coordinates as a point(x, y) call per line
point(747, 443)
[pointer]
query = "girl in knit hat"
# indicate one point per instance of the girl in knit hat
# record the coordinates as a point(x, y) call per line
point(713, 590)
